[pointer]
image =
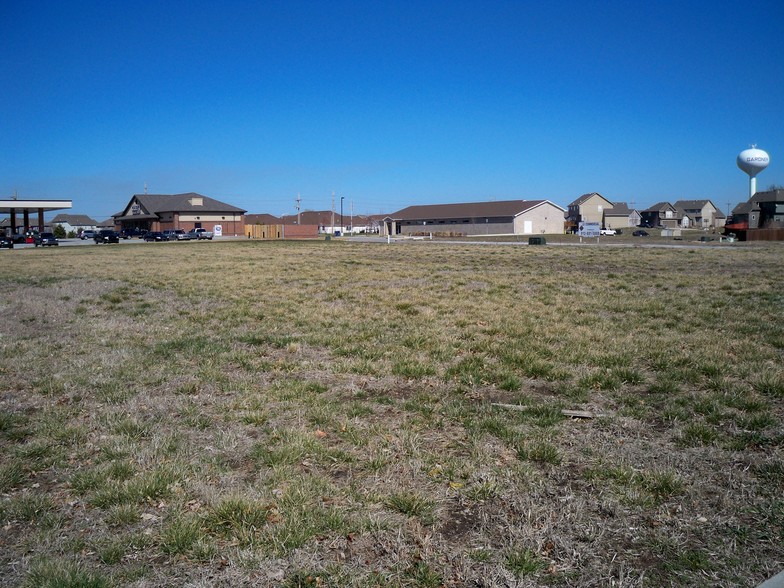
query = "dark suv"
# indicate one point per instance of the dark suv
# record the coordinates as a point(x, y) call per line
point(106, 236)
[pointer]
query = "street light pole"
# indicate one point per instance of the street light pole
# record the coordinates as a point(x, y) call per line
point(341, 215)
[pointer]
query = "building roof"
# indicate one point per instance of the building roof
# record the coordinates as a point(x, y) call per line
point(188, 202)
point(776, 195)
point(74, 220)
point(500, 208)
point(323, 218)
point(619, 209)
point(699, 204)
point(692, 204)
point(262, 219)
point(588, 196)
point(745, 207)
point(154, 204)
point(659, 207)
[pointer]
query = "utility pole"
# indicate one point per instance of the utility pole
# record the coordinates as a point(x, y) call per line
point(728, 208)
point(333, 212)
point(351, 222)
point(341, 215)
point(298, 201)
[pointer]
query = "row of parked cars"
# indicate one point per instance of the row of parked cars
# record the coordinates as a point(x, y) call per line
point(109, 236)
point(38, 239)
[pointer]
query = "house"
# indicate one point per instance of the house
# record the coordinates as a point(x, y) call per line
point(700, 214)
point(74, 223)
point(762, 212)
point(508, 217)
point(620, 216)
point(588, 208)
point(661, 214)
point(158, 212)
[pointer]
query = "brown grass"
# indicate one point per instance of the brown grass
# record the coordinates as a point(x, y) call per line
point(321, 414)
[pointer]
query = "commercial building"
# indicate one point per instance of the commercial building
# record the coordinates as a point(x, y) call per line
point(159, 212)
point(507, 217)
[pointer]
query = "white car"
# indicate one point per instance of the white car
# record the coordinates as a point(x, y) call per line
point(607, 232)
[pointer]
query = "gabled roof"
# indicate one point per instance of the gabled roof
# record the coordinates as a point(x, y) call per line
point(500, 208)
point(74, 219)
point(588, 196)
point(324, 218)
point(154, 204)
point(619, 209)
point(262, 219)
point(776, 195)
point(188, 202)
point(691, 204)
point(312, 217)
point(746, 207)
point(659, 207)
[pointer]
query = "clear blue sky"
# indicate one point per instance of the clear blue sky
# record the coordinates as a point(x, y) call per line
point(387, 103)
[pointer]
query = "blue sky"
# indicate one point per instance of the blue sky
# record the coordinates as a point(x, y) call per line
point(387, 104)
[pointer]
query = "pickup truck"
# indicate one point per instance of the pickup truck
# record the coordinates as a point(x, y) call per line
point(607, 232)
point(200, 234)
point(177, 235)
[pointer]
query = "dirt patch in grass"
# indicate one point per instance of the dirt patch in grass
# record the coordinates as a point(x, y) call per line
point(326, 414)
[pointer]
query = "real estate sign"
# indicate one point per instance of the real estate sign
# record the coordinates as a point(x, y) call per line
point(588, 229)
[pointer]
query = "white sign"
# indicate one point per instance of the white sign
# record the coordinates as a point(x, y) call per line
point(589, 229)
point(217, 231)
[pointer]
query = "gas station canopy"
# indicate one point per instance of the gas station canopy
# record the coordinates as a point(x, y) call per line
point(12, 207)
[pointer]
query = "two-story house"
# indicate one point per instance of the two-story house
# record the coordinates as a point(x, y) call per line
point(700, 214)
point(589, 208)
point(661, 214)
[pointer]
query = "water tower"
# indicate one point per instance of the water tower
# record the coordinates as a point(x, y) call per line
point(753, 161)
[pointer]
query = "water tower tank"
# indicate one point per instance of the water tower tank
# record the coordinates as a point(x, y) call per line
point(753, 161)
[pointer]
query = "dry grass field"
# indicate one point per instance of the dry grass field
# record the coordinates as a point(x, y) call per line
point(338, 414)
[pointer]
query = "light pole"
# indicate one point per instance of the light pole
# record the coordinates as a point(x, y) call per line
point(341, 215)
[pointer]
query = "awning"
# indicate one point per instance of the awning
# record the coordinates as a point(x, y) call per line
point(133, 217)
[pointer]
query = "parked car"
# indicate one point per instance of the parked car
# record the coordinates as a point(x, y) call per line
point(6, 242)
point(607, 232)
point(640, 233)
point(132, 232)
point(19, 238)
point(87, 235)
point(178, 235)
point(106, 236)
point(155, 236)
point(45, 240)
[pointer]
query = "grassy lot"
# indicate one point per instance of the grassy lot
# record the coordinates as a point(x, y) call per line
point(327, 414)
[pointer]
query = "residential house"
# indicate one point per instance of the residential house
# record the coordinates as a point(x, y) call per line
point(620, 216)
point(507, 217)
point(158, 212)
point(764, 210)
point(74, 223)
point(700, 214)
point(589, 208)
point(661, 214)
